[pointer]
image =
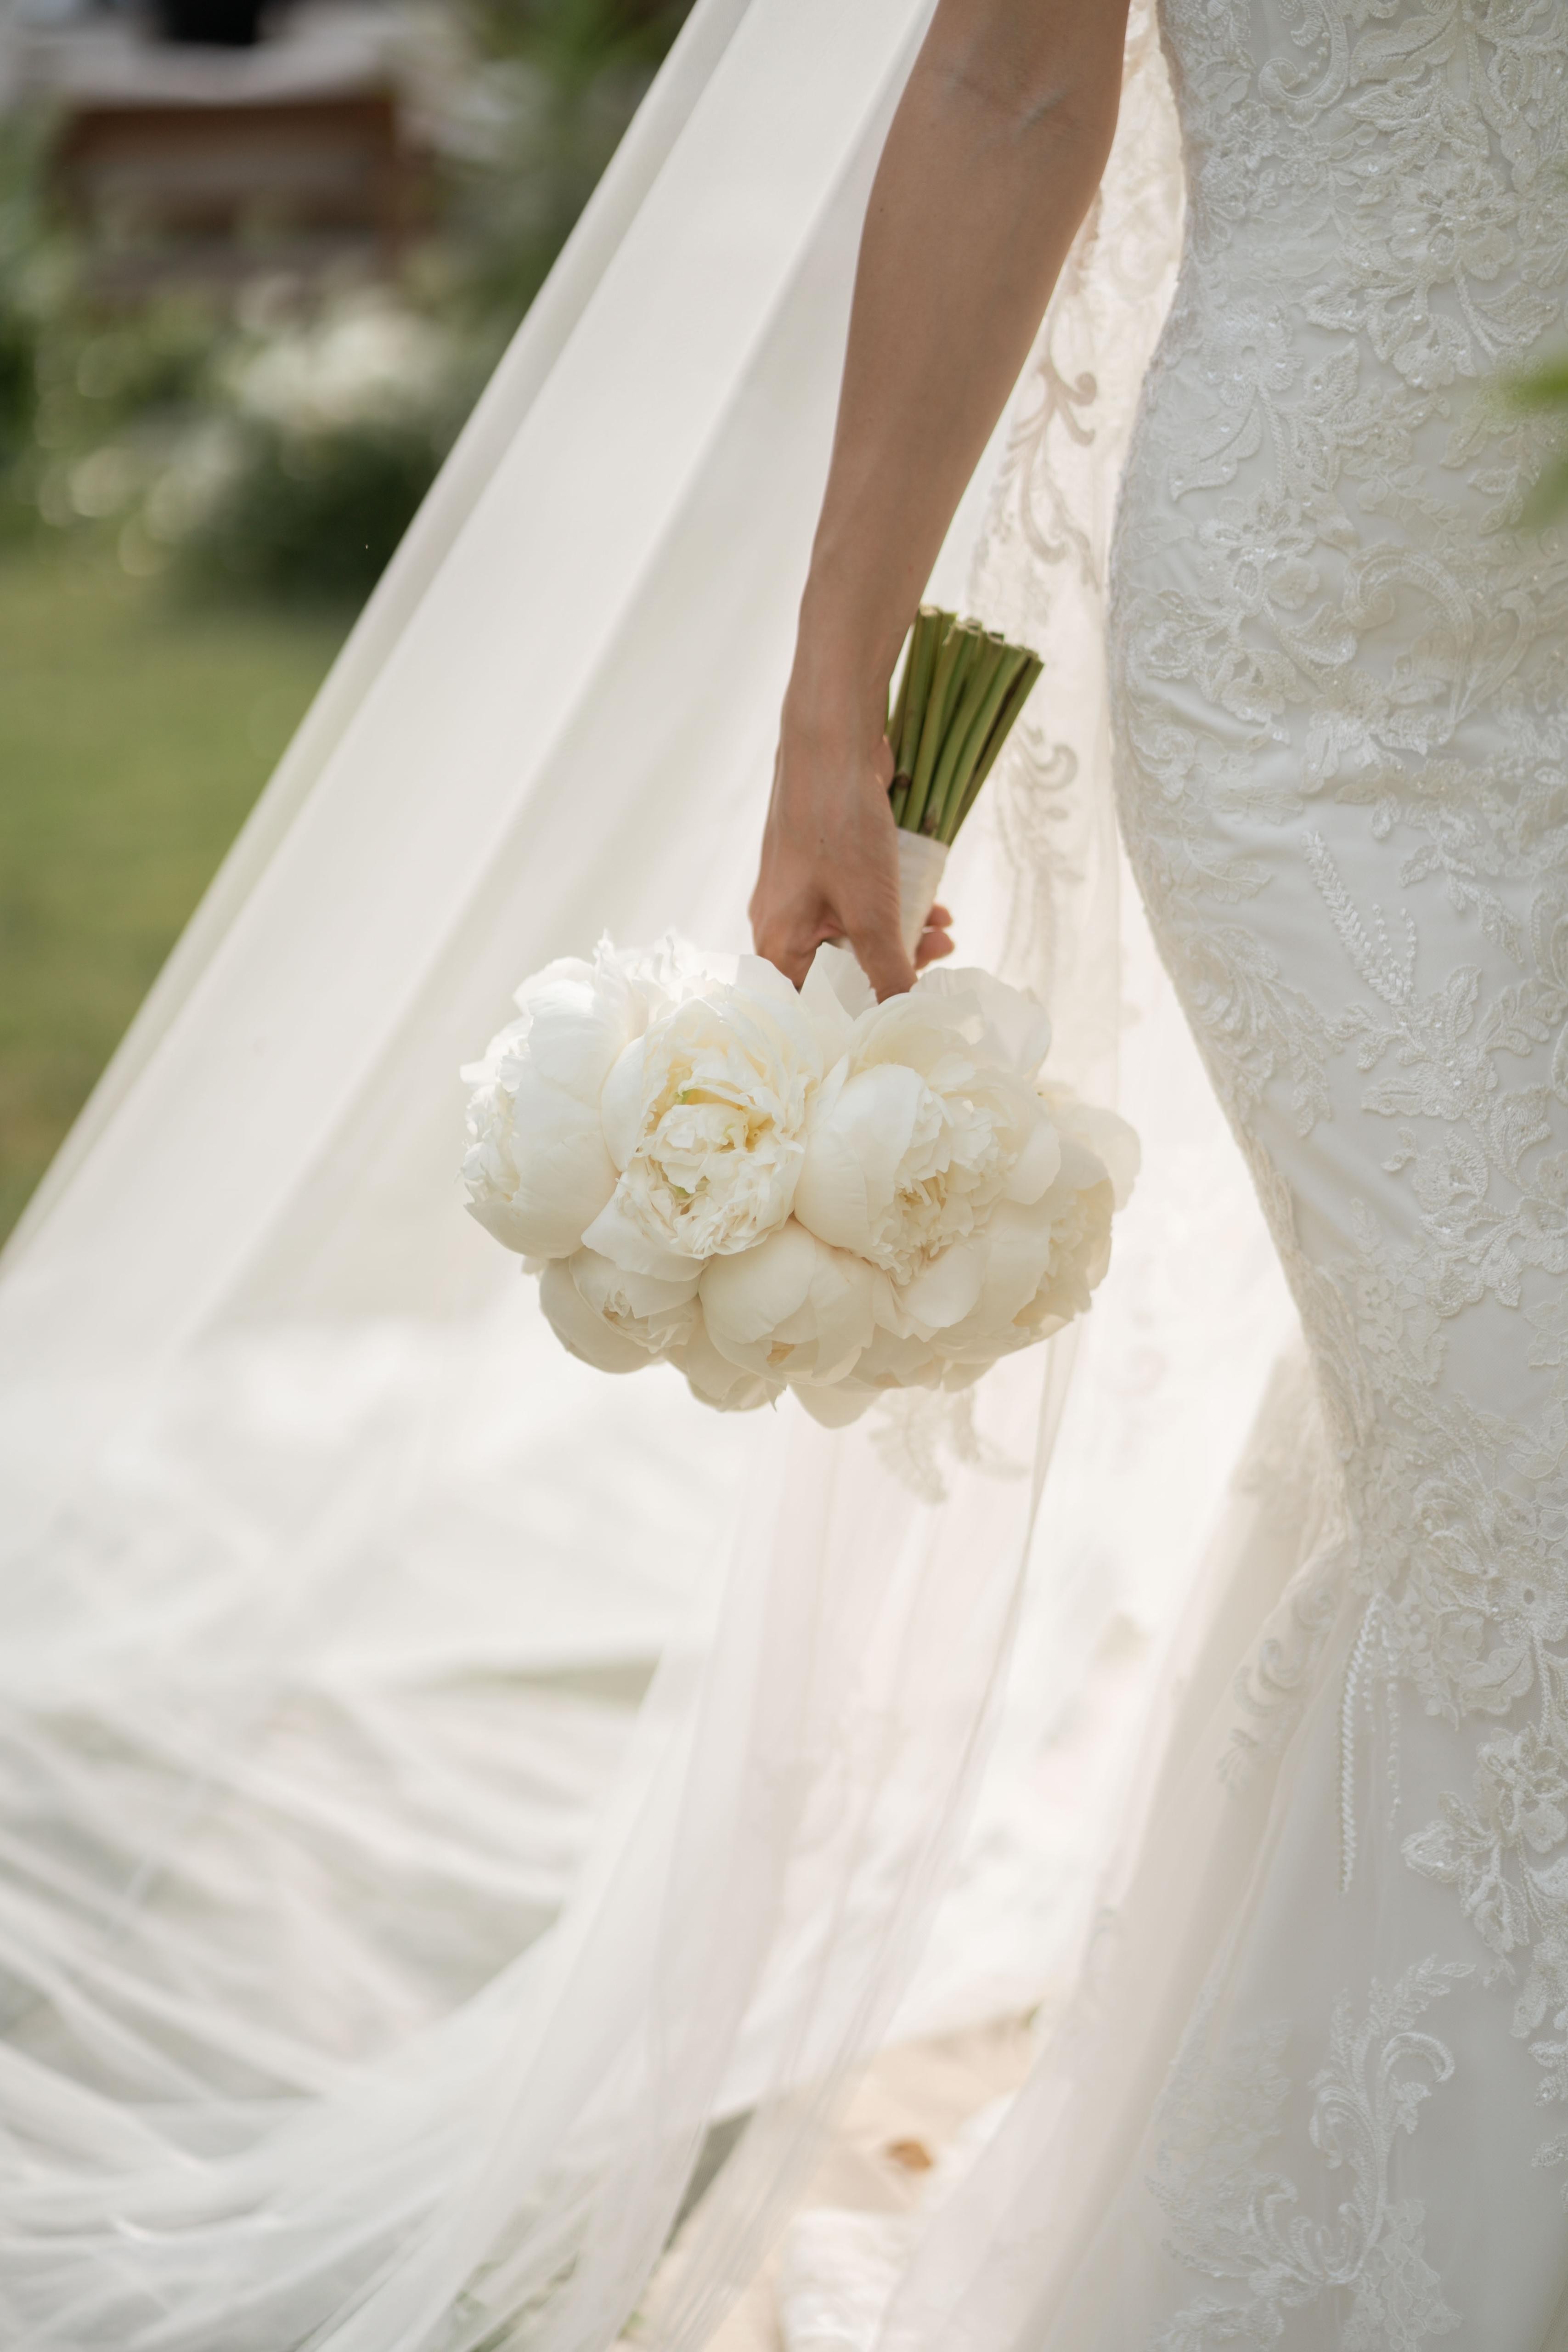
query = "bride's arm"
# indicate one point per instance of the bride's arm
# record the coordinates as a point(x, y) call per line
point(991, 163)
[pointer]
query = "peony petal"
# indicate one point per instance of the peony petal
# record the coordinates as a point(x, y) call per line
point(716, 1381)
point(1037, 1161)
point(1111, 1140)
point(894, 1361)
point(745, 1297)
point(648, 1294)
point(621, 1102)
point(835, 1408)
point(562, 972)
point(939, 1016)
point(581, 1331)
point(831, 1194)
point(853, 1150)
point(843, 1304)
point(1080, 1171)
point(836, 992)
point(755, 976)
point(563, 1174)
point(944, 1291)
point(794, 1033)
point(580, 1018)
point(599, 1279)
point(616, 1235)
point(1018, 1258)
point(1017, 1025)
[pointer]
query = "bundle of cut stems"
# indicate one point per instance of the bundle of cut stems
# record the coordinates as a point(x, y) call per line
point(962, 688)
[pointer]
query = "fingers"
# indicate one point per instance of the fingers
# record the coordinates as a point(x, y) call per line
point(785, 925)
point(880, 957)
point(789, 939)
point(880, 952)
point(783, 945)
point(829, 868)
point(935, 941)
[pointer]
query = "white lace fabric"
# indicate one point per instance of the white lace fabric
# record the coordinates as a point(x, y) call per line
point(1340, 688)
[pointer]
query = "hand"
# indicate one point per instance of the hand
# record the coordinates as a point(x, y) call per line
point(830, 862)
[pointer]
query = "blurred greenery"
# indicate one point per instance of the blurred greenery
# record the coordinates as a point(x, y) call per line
point(559, 81)
point(265, 452)
point(313, 517)
point(135, 731)
point(275, 440)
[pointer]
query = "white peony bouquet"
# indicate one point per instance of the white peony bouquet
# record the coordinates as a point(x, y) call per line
point(774, 1190)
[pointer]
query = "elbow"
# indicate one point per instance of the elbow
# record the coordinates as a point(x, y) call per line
point(1025, 93)
point(1032, 114)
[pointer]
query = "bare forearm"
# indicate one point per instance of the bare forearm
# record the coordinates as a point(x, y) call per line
point(992, 161)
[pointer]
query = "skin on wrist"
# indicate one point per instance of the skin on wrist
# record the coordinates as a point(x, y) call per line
point(991, 162)
point(832, 720)
point(839, 674)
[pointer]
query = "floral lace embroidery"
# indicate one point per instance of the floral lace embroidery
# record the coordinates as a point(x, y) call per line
point(1235, 2218)
point(913, 1429)
point(1342, 685)
point(1286, 1476)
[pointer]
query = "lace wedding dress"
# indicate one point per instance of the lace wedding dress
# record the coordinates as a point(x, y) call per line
point(417, 1855)
point(1318, 2093)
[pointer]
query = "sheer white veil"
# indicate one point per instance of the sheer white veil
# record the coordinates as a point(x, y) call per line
point(444, 1791)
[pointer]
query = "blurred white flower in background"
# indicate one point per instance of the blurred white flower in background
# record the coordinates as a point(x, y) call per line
point(366, 359)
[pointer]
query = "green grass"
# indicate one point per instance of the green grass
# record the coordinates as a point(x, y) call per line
point(135, 731)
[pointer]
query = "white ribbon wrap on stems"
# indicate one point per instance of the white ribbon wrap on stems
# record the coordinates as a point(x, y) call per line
point(921, 861)
point(920, 864)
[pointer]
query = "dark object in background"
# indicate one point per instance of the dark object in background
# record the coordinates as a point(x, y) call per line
point(214, 24)
point(314, 519)
point(18, 381)
point(209, 194)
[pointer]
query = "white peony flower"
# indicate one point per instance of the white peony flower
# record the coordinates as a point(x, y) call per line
point(771, 1191)
point(928, 1120)
point(897, 1360)
point(1102, 1133)
point(834, 1406)
point(717, 1382)
point(616, 1320)
point(1029, 1274)
point(791, 1308)
point(705, 1119)
point(537, 1170)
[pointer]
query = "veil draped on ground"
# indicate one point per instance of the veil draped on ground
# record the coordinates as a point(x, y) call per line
point(456, 1808)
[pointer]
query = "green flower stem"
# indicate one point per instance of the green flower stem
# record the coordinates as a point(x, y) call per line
point(1009, 669)
point(1017, 695)
point(925, 638)
point(995, 667)
point(960, 690)
point(963, 704)
point(946, 685)
point(921, 745)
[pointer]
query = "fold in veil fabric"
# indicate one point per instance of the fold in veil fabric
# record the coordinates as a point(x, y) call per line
point(443, 1791)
